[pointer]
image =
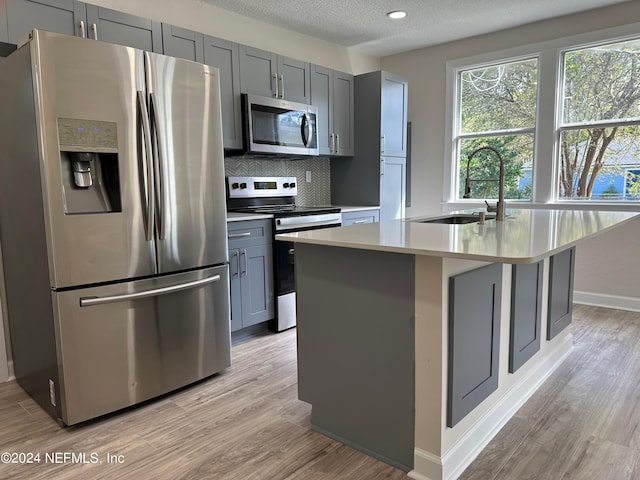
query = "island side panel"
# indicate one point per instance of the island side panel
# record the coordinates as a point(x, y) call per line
point(356, 319)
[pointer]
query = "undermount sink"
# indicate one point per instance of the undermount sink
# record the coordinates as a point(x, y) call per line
point(456, 219)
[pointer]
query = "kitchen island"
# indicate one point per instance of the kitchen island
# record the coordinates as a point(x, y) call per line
point(418, 341)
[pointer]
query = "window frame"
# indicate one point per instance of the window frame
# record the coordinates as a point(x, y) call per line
point(545, 175)
point(459, 136)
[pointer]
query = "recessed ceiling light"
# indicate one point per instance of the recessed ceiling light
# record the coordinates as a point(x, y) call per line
point(397, 14)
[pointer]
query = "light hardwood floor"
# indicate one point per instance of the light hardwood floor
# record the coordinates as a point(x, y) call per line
point(584, 423)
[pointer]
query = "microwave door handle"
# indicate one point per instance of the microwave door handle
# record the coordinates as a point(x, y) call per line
point(147, 166)
point(305, 126)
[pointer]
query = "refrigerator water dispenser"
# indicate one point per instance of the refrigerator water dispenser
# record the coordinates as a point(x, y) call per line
point(89, 163)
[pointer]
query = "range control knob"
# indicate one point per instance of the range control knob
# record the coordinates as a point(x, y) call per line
point(235, 185)
point(243, 185)
point(292, 185)
point(285, 185)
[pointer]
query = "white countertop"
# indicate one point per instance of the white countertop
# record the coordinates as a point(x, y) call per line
point(526, 236)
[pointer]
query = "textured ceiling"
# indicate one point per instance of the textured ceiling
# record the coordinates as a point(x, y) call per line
point(363, 25)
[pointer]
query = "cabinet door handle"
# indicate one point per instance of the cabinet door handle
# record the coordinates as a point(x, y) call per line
point(381, 166)
point(275, 86)
point(291, 251)
point(337, 142)
point(383, 143)
point(94, 27)
point(364, 220)
point(281, 86)
point(332, 141)
point(245, 272)
point(83, 29)
point(238, 235)
point(235, 254)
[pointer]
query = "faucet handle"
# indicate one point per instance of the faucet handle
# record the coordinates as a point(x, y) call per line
point(491, 208)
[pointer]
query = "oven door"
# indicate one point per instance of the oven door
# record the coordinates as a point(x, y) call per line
point(285, 280)
point(279, 126)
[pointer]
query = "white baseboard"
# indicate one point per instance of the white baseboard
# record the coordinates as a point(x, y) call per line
point(10, 373)
point(608, 301)
point(428, 466)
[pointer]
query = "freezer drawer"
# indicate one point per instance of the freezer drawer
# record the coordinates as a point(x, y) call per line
point(122, 344)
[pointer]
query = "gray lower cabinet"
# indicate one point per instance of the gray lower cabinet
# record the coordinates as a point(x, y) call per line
point(560, 307)
point(182, 43)
point(356, 347)
point(124, 29)
point(360, 216)
point(526, 313)
point(474, 339)
point(250, 272)
point(393, 185)
point(59, 16)
point(333, 94)
point(270, 75)
point(225, 56)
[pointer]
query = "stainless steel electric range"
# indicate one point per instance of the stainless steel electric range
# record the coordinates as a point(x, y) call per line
point(277, 196)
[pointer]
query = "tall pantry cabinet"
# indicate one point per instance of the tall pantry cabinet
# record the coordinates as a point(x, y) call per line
point(376, 174)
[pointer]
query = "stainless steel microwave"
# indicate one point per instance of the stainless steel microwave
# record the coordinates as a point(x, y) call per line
point(277, 126)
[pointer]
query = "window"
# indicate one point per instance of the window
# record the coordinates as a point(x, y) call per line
point(497, 108)
point(564, 114)
point(599, 136)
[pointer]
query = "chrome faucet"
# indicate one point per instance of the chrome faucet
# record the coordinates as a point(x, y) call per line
point(499, 208)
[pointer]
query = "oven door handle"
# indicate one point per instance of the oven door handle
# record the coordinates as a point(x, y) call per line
point(302, 221)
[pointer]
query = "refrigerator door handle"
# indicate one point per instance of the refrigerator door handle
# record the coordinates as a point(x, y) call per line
point(148, 166)
point(92, 301)
point(159, 174)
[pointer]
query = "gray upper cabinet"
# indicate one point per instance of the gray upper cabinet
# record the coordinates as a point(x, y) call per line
point(182, 43)
point(225, 56)
point(321, 93)
point(376, 174)
point(332, 94)
point(294, 77)
point(343, 119)
point(270, 75)
point(124, 29)
point(77, 18)
point(60, 16)
point(393, 116)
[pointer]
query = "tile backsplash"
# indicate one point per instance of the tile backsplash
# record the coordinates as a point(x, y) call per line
point(314, 193)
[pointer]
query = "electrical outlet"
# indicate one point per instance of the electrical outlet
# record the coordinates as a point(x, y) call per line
point(308, 174)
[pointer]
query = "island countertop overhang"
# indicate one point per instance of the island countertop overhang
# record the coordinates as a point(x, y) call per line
point(526, 236)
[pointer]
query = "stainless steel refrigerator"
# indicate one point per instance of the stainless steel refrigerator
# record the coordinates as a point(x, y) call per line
point(112, 223)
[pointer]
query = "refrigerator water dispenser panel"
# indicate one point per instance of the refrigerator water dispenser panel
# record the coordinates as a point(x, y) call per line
point(89, 163)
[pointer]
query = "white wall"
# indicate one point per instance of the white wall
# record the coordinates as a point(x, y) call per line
point(606, 266)
point(202, 17)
